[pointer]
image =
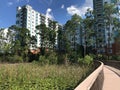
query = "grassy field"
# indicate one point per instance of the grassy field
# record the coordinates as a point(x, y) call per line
point(29, 76)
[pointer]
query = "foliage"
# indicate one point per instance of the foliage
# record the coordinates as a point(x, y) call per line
point(87, 60)
point(47, 34)
point(6, 40)
point(21, 42)
point(43, 32)
point(99, 56)
point(111, 21)
point(80, 61)
point(43, 60)
point(34, 77)
point(60, 39)
point(51, 58)
point(15, 59)
point(73, 56)
point(89, 32)
point(72, 30)
point(116, 57)
point(61, 57)
point(11, 58)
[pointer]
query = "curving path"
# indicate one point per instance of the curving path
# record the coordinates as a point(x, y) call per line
point(111, 78)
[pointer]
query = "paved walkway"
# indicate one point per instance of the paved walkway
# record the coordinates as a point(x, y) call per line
point(111, 78)
point(117, 71)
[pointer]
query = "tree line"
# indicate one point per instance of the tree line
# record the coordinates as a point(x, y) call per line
point(76, 39)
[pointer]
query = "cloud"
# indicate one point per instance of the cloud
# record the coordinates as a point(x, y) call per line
point(63, 6)
point(10, 3)
point(73, 9)
point(49, 13)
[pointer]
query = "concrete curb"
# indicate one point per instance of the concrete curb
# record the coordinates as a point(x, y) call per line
point(89, 81)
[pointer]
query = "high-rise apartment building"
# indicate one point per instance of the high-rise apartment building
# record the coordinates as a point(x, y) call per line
point(104, 35)
point(27, 17)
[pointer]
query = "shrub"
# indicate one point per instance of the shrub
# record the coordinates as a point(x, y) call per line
point(116, 57)
point(15, 59)
point(61, 58)
point(11, 59)
point(99, 57)
point(52, 58)
point(43, 60)
point(88, 60)
point(80, 60)
point(73, 57)
point(92, 56)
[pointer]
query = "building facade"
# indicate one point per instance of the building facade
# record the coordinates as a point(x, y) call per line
point(27, 17)
point(104, 34)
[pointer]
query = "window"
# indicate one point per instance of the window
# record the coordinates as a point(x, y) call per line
point(110, 50)
point(18, 15)
point(17, 22)
point(99, 15)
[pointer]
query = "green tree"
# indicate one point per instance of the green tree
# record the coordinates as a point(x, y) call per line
point(22, 42)
point(53, 33)
point(33, 41)
point(44, 37)
point(89, 33)
point(110, 14)
point(60, 39)
point(72, 29)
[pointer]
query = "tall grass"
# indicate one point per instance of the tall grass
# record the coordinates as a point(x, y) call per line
point(34, 77)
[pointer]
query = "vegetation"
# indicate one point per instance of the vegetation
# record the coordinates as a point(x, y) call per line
point(89, 32)
point(35, 77)
point(53, 68)
point(111, 21)
point(87, 60)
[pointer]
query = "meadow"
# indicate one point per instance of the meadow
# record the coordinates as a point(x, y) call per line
point(31, 76)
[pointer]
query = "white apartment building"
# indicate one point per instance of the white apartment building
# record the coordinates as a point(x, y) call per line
point(27, 17)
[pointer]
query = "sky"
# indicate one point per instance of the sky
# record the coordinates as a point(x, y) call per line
point(58, 10)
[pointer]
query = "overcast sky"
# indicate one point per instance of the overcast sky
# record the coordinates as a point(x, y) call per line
point(59, 10)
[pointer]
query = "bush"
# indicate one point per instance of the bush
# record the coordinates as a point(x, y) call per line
point(87, 60)
point(52, 58)
point(116, 57)
point(100, 56)
point(43, 60)
point(61, 58)
point(15, 59)
point(11, 59)
point(80, 60)
point(49, 59)
point(73, 57)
